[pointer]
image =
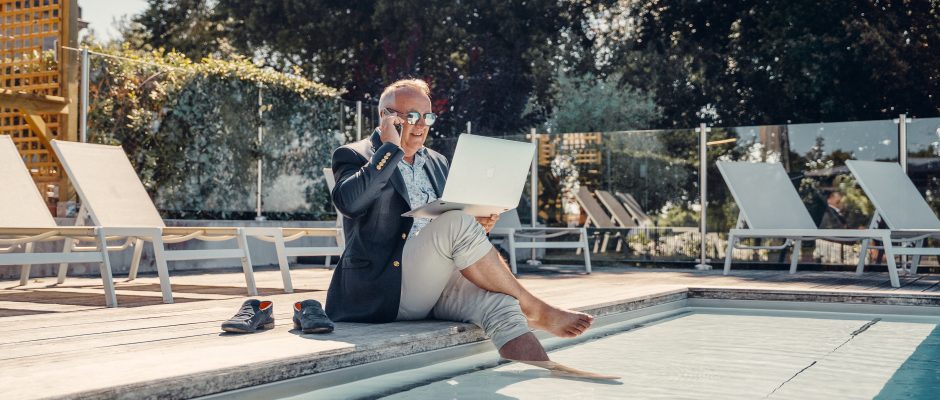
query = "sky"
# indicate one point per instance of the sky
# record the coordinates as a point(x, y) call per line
point(101, 14)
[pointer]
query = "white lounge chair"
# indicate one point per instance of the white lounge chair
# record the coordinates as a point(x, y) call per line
point(771, 208)
point(618, 214)
point(25, 221)
point(902, 208)
point(598, 218)
point(509, 227)
point(112, 195)
point(633, 206)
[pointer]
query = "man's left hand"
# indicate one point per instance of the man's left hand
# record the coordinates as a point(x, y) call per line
point(488, 222)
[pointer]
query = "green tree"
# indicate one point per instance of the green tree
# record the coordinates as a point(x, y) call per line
point(484, 59)
point(764, 61)
point(593, 103)
point(187, 26)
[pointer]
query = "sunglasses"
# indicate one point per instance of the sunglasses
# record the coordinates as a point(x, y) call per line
point(413, 117)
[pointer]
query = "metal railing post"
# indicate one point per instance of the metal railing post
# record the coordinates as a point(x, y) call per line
point(703, 189)
point(534, 180)
point(358, 120)
point(258, 216)
point(534, 188)
point(902, 141)
point(83, 113)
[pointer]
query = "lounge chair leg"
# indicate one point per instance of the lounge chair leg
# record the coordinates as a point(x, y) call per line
point(728, 254)
point(326, 263)
point(69, 244)
point(282, 261)
point(246, 263)
point(892, 266)
point(64, 267)
point(512, 253)
point(107, 279)
point(862, 255)
point(162, 271)
point(606, 241)
point(24, 269)
point(795, 256)
point(915, 261)
point(135, 261)
point(587, 253)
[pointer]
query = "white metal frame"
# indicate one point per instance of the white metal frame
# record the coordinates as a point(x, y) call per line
point(160, 237)
point(538, 240)
point(794, 239)
point(26, 238)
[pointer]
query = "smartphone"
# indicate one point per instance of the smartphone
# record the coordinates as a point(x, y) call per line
point(397, 126)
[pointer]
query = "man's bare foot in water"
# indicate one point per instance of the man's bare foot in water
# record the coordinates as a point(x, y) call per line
point(565, 371)
point(558, 322)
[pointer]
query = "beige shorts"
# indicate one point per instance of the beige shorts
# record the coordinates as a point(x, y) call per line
point(433, 287)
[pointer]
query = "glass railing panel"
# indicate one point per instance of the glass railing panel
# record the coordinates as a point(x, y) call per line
point(923, 158)
point(636, 190)
point(191, 138)
point(297, 140)
point(813, 156)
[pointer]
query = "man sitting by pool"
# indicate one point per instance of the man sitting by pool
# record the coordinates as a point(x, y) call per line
point(398, 268)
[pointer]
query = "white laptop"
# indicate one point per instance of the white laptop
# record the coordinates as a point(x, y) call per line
point(486, 177)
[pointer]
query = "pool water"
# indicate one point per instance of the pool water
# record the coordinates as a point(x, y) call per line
point(728, 355)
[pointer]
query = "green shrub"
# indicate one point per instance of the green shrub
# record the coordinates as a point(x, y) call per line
point(191, 131)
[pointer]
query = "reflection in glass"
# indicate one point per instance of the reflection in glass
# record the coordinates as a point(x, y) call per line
point(923, 158)
point(814, 156)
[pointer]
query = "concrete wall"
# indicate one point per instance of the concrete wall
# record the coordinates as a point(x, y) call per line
point(262, 253)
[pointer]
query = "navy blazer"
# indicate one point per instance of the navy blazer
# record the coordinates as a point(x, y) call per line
point(371, 195)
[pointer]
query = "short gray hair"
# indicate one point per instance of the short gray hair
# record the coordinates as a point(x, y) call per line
point(418, 85)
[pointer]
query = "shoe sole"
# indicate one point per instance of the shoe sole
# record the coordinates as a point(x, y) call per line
point(237, 330)
point(313, 330)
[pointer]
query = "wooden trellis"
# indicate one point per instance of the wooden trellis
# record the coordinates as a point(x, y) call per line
point(585, 147)
point(37, 82)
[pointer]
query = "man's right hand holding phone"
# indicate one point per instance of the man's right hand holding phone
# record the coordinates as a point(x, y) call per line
point(392, 128)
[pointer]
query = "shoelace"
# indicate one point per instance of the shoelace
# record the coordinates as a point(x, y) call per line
point(314, 311)
point(246, 312)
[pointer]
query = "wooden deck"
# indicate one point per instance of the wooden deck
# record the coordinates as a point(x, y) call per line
point(60, 340)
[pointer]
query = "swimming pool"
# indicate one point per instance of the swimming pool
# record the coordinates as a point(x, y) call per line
point(703, 349)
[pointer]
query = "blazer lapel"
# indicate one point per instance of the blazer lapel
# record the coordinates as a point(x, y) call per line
point(435, 176)
point(397, 181)
point(399, 184)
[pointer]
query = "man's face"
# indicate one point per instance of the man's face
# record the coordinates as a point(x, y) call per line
point(406, 100)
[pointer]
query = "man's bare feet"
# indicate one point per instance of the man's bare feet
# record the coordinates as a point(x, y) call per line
point(558, 322)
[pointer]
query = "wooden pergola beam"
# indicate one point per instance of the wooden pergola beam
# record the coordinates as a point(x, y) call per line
point(36, 124)
point(34, 103)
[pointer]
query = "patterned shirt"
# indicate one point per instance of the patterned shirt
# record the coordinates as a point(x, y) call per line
point(420, 190)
